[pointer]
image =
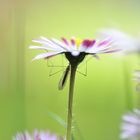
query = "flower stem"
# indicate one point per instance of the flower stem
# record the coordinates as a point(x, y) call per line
point(70, 102)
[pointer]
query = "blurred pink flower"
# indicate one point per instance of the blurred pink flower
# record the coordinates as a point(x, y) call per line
point(37, 135)
point(131, 125)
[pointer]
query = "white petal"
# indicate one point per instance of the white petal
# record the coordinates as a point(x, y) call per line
point(82, 48)
point(44, 48)
point(131, 119)
point(102, 49)
point(61, 44)
point(48, 43)
point(39, 47)
point(46, 55)
point(42, 42)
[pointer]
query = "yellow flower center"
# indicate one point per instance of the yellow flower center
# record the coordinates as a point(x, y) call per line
point(78, 42)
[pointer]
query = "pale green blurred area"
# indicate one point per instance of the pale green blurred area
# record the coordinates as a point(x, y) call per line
point(27, 93)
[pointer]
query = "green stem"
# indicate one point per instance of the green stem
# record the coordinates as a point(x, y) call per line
point(70, 102)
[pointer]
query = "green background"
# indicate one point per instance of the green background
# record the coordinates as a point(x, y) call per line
point(28, 93)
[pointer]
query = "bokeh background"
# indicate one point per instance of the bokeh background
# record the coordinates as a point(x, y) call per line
point(28, 93)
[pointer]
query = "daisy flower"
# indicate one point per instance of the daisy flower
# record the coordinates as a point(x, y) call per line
point(75, 50)
point(131, 125)
point(37, 135)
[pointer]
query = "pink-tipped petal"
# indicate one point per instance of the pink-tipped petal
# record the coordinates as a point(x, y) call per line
point(113, 51)
point(65, 41)
point(104, 43)
point(73, 42)
point(88, 43)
